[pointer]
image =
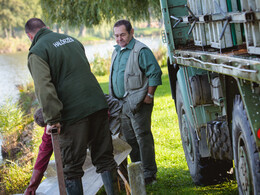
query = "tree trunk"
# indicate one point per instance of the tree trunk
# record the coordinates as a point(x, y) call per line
point(6, 33)
point(13, 33)
point(56, 26)
point(66, 29)
point(57, 29)
point(10, 31)
point(82, 31)
point(149, 19)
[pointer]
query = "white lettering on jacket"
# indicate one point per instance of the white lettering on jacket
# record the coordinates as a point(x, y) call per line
point(63, 42)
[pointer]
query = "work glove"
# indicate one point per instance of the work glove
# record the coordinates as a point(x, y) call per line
point(34, 183)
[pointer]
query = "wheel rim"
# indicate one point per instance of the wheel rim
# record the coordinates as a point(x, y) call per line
point(243, 167)
point(187, 137)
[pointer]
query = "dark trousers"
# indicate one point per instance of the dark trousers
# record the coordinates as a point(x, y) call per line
point(136, 129)
point(90, 132)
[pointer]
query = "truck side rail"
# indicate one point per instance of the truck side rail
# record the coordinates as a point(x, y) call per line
point(241, 68)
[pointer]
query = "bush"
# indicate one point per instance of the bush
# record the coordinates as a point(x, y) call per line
point(14, 178)
point(27, 99)
point(100, 66)
point(11, 117)
point(161, 56)
point(19, 142)
point(13, 45)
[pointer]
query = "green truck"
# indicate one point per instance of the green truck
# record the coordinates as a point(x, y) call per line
point(214, 72)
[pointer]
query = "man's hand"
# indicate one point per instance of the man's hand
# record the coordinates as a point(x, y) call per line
point(149, 97)
point(148, 100)
point(50, 127)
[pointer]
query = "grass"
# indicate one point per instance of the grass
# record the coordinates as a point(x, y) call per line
point(173, 173)
point(148, 31)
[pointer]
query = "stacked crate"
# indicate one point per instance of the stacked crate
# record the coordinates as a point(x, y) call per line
point(199, 32)
point(252, 31)
point(209, 33)
point(237, 30)
point(207, 19)
point(215, 28)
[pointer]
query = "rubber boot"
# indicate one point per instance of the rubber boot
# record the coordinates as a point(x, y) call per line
point(74, 186)
point(34, 183)
point(110, 182)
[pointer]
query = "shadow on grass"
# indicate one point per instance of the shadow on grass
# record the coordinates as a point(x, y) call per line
point(178, 181)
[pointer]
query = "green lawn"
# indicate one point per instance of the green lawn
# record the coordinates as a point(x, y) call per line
point(173, 173)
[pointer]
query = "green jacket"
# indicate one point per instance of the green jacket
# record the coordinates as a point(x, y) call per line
point(65, 87)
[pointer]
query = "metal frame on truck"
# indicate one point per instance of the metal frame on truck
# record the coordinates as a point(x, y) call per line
point(214, 71)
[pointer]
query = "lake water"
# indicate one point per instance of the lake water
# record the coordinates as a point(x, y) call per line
point(14, 71)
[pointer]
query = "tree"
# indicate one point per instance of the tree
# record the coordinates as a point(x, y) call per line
point(9, 15)
point(93, 12)
point(13, 14)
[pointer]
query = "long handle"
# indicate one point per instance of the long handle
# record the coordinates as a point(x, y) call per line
point(58, 161)
point(127, 187)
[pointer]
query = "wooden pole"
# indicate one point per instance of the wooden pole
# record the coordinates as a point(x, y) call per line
point(58, 161)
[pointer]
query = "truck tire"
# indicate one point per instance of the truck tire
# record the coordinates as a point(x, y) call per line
point(246, 156)
point(204, 171)
point(219, 140)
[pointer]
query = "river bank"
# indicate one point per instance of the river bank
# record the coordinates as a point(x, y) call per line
point(21, 43)
point(20, 141)
point(1, 158)
point(13, 45)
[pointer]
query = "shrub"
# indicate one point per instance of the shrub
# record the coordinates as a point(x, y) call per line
point(14, 178)
point(161, 55)
point(19, 140)
point(13, 45)
point(11, 117)
point(100, 66)
point(27, 99)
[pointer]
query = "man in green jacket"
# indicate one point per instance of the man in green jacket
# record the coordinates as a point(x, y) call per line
point(72, 101)
point(134, 76)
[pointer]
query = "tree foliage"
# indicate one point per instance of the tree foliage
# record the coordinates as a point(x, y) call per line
point(93, 12)
point(14, 13)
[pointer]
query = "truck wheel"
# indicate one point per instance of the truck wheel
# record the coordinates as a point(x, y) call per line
point(219, 139)
point(246, 157)
point(204, 171)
